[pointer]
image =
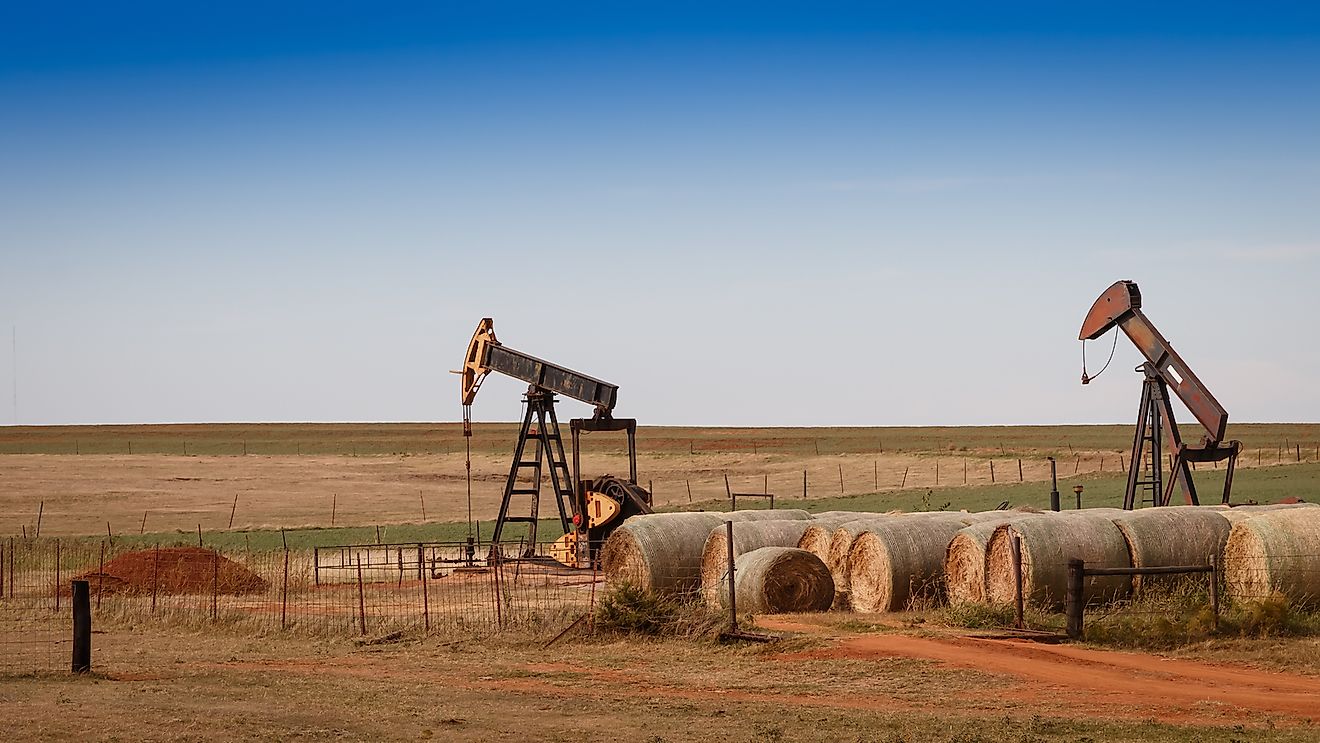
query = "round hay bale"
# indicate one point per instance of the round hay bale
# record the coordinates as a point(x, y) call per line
point(661, 552)
point(1048, 543)
point(836, 554)
point(889, 564)
point(773, 580)
point(1242, 513)
point(964, 561)
point(1171, 535)
point(842, 538)
point(1276, 553)
point(747, 536)
point(816, 539)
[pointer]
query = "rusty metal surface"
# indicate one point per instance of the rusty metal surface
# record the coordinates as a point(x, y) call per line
point(1120, 305)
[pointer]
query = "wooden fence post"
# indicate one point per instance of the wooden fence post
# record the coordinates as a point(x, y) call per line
point(804, 484)
point(1019, 470)
point(904, 483)
point(82, 627)
point(688, 483)
point(57, 575)
point(840, 477)
point(992, 471)
point(1073, 603)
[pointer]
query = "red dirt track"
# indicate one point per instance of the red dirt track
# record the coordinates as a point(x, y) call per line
point(1096, 683)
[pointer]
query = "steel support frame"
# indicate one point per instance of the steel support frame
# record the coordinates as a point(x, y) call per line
point(540, 427)
point(1157, 426)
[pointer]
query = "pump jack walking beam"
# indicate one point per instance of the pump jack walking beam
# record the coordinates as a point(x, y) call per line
point(1164, 370)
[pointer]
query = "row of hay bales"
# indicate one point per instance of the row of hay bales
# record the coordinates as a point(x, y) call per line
point(791, 560)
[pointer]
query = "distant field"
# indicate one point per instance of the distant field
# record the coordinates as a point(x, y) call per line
point(410, 479)
point(375, 439)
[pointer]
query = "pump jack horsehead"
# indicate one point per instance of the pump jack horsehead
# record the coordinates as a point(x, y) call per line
point(1164, 369)
point(589, 510)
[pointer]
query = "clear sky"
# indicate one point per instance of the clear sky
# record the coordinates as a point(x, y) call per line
point(751, 214)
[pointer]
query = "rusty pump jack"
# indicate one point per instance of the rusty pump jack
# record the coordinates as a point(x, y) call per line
point(588, 510)
point(1120, 305)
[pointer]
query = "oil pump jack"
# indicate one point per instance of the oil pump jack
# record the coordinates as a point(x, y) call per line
point(588, 510)
point(1164, 369)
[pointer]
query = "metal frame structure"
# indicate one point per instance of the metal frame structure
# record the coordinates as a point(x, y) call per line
point(1164, 370)
point(540, 428)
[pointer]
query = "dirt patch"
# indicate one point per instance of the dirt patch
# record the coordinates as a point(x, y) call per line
point(1111, 683)
point(174, 570)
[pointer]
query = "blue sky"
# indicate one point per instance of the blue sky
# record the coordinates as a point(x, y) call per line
point(760, 214)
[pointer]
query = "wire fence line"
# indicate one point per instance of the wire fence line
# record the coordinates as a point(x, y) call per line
point(355, 590)
point(845, 475)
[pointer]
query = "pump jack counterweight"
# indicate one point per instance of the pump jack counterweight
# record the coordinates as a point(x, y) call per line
point(1157, 429)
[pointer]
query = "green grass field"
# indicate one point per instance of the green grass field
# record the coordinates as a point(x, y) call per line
point(1264, 485)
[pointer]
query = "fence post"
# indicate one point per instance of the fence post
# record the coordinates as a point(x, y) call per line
point(1214, 590)
point(904, 483)
point(100, 577)
point(362, 602)
point(804, 484)
point(840, 477)
point(82, 627)
point(1019, 470)
point(284, 593)
point(57, 575)
point(2, 571)
point(426, 599)
point(1073, 603)
point(688, 483)
point(1018, 600)
point(733, 595)
point(155, 577)
point(215, 585)
point(316, 565)
point(728, 493)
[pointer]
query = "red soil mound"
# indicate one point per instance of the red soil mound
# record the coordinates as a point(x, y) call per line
point(174, 570)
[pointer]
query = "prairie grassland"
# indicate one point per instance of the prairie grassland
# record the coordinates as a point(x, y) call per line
point(423, 496)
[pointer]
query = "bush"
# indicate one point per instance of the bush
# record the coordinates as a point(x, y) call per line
point(627, 608)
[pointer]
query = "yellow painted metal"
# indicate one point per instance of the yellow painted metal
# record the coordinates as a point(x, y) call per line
point(565, 549)
point(474, 369)
point(601, 509)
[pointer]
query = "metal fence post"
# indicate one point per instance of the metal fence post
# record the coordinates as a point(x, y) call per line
point(215, 585)
point(1018, 601)
point(1073, 604)
point(426, 599)
point(82, 627)
point(1214, 590)
point(733, 595)
point(57, 575)
point(284, 594)
point(362, 602)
